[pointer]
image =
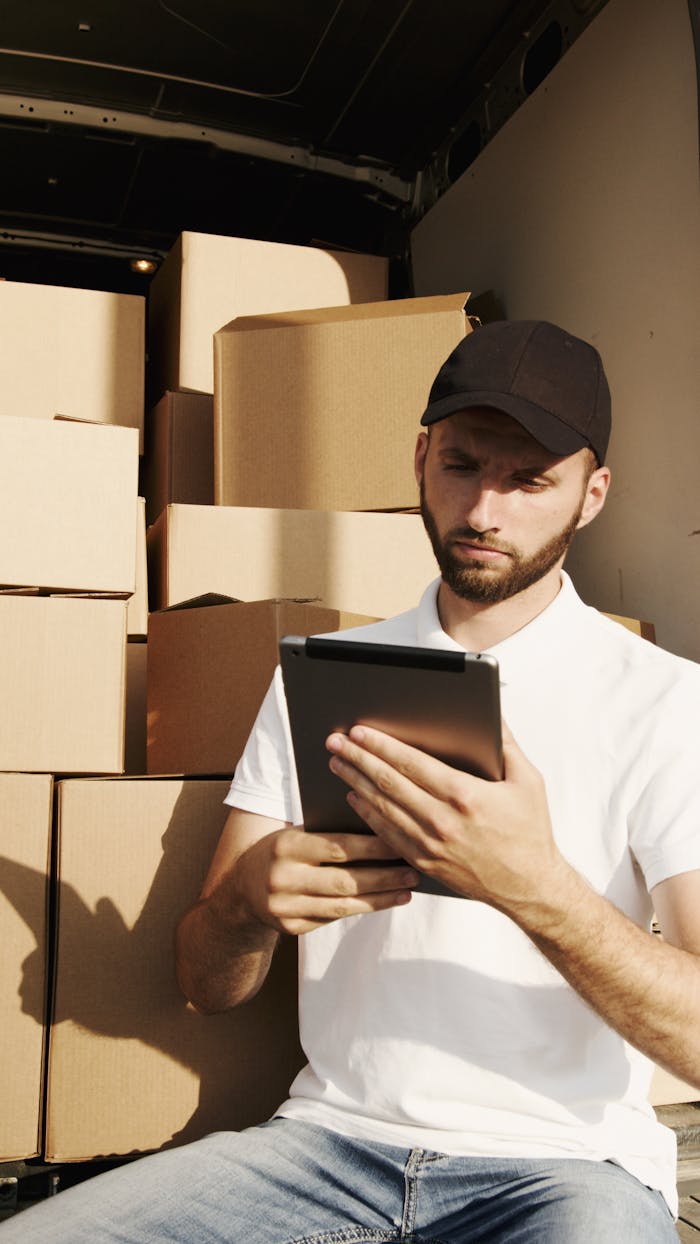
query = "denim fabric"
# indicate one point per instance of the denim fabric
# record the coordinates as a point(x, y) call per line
point(287, 1182)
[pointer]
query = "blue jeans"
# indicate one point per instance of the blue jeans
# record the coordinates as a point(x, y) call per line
point(287, 1182)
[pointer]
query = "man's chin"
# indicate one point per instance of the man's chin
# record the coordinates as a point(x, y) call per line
point(479, 585)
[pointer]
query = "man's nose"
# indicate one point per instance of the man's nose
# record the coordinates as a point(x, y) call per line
point(482, 509)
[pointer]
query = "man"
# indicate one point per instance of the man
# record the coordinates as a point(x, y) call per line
point(477, 1065)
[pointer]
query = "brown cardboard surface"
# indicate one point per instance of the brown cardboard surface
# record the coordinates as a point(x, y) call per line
point(62, 684)
point(208, 280)
point(375, 564)
point(179, 452)
point(74, 352)
point(646, 630)
point(25, 842)
point(321, 409)
point(68, 495)
point(131, 1066)
point(135, 722)
point(668, 1090)
point(208, 670)
point(137, 605)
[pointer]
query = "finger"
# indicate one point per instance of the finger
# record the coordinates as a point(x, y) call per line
point(378, 756)
point(406, 835)
point(352, 882)
point(342, 864)
point(384, 785)
point(381, 796)
point(402, 834)
point(305, 914)
point(341, 848)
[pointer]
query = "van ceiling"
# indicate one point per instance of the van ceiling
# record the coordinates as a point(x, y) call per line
point(336, 122)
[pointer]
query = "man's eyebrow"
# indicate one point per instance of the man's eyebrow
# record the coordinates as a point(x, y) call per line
point(540, 469)
point(454, 451)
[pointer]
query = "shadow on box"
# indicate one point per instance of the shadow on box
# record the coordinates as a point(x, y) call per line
point(118, 983)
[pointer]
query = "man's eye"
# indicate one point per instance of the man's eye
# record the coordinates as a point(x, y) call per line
point(528, 484)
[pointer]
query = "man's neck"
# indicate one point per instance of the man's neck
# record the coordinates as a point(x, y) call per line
point(476, 626)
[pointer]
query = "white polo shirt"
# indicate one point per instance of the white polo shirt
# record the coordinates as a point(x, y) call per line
point(440, 1024)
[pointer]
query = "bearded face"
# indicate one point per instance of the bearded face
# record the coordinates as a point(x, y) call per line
point(500, 510)
point(482, 582)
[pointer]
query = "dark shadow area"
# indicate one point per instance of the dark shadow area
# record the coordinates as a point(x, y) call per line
point(118, 983)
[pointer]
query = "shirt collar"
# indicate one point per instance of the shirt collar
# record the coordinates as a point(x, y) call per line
point(536, 637)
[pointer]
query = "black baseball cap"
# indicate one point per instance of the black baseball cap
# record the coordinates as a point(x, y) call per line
point(551, 382)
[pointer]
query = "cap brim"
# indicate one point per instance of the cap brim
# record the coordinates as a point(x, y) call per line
point(546, 428)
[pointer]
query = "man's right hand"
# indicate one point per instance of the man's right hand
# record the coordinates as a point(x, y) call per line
point(295, 881)
point(266, 878)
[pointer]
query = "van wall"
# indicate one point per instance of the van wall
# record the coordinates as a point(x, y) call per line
point(585, 210)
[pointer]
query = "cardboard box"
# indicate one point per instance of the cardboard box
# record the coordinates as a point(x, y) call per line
point(179, 452)
point(68, 495)
point(646, 630)
point(73, 352)
point(62, 684)
point(321, 409)
point(668, 1090)
point(208, 280)
point(135, 722)
point(209, 667)
point(132, 1066)
point(25, 849)
point(375, 564)
point(137, 605)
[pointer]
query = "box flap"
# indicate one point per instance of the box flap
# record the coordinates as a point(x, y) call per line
point(209, 600)
point(358, 311)
point(206, 600)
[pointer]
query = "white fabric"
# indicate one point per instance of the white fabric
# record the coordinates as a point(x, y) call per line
point(440, 1024)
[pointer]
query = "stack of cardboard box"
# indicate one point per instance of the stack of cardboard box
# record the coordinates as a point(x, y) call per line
point(129, 1066)
point(317, 382)
point(284, 392)
point(71, 417)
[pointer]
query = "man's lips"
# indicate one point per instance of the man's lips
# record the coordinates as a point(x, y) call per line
point(478, 552)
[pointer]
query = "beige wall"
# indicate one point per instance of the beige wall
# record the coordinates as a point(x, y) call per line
point(585, 209)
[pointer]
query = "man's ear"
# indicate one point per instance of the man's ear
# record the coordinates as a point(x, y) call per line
point(596, 492)
point(419, 457)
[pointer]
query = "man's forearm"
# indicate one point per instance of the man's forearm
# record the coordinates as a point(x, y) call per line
point(643, 987)
point(493, 841)
point(221, 962)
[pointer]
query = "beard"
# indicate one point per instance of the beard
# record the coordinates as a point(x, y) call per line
point(481, 583)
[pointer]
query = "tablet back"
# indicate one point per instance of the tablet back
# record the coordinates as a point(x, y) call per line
point(444, 702)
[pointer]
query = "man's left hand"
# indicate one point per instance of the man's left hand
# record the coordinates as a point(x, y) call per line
point(488, 840)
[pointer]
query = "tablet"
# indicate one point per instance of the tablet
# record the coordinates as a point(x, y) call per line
point(444, 702)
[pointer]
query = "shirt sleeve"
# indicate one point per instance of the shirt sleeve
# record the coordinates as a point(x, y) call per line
point(265, 779)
